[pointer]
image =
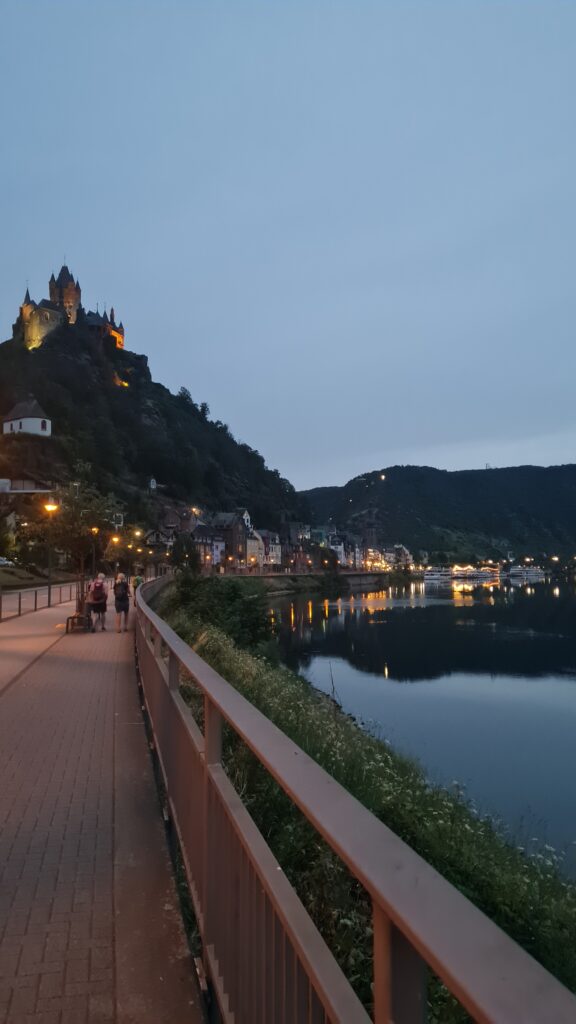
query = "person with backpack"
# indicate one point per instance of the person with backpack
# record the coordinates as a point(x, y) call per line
point(121, 601)
point(97, 600)
point(136, 582)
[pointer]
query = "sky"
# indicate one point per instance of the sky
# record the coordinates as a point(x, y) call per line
point(349, 227)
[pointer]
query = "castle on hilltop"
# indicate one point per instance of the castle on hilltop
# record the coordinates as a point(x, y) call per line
point(37, 320)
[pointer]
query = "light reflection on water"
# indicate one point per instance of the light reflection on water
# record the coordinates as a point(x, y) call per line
point(479, 685)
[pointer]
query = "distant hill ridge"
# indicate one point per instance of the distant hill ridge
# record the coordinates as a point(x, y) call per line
point(489, 512)
point(107, 411)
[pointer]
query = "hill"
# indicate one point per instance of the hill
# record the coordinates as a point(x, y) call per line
point(107, 411)
point(484, 513)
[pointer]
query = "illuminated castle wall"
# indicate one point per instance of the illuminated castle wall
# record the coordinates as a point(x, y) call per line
point(37, 319)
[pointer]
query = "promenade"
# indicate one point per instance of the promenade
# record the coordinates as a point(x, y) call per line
point(90, 927)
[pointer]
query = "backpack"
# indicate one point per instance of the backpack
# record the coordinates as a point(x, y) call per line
point(98, 592)
point(121, 590)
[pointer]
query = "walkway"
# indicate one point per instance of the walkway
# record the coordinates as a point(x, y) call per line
point(90, 928)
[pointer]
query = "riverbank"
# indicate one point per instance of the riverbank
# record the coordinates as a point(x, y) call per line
point(286, 585)
point(527, 897)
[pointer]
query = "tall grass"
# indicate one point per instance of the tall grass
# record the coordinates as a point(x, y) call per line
point(526, 896)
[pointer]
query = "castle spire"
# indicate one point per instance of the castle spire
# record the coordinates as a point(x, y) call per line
point(27, 297)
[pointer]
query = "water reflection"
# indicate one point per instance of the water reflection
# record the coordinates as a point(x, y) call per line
point(526, 631)
point(492, 694)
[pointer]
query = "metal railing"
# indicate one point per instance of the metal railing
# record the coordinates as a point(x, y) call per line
point(264, 956)
point(32, 599)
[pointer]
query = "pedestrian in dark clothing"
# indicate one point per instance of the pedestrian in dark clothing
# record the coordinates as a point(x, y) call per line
point(96, 600)
point(121, 601)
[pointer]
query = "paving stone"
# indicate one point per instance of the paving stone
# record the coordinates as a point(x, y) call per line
point(58, 744)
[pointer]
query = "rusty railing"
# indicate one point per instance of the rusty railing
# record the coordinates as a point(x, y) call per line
point(265, 958)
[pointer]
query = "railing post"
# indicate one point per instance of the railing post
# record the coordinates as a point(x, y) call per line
point(400, 975)
point(158, 646)
point(19, 602)
point(212, 733)
point(36, 600)
point(210, 853)
point(0, 604)
point(409, 982)
point(173, 672)
point(381, 965)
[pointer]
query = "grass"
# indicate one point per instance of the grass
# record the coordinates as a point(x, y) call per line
point(526, 896)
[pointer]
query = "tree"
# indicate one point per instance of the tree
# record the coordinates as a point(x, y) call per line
point(80, 526)
point(185, 396)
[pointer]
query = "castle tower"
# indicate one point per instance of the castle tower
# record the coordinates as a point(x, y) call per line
point(65, 292)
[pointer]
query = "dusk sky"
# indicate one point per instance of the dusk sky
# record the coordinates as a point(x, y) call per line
point(348, 227)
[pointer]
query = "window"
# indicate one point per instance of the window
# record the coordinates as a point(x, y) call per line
point(11, 426)
point(20, 425)
point(43, 425)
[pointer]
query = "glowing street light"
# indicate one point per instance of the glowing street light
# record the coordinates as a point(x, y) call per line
point(50, 507)
point(94, 530)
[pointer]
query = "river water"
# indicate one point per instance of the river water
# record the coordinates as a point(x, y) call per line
point(479, 686)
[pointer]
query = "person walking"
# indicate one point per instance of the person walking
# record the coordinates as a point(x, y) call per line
point(122, 601)
point(97, 599)
point(136, 582)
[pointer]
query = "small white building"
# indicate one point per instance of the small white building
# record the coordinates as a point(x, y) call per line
point(254, 550)
point(27, 417)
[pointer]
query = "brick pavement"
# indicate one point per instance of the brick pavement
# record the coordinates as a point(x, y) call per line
point(67, 758)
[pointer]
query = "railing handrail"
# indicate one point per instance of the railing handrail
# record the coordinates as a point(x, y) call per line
point(493, 978)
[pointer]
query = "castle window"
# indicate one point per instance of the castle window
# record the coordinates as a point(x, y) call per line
point(43, 425)
point(11, 426)
point(20, 425)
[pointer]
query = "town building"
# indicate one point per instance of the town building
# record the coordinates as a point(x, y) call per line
point(235, 528)
point(272, 548)
point(36, 320)
point(255, 550)
point(297, 532)
point(27, 417)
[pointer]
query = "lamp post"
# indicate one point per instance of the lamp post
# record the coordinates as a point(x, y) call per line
point(116, 540)
point(94, 530)
point(50, 507)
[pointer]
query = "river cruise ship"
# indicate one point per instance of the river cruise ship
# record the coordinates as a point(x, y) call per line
point(449, 575)
point(526, 574)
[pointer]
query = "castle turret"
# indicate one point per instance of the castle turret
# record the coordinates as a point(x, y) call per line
point(65, 293)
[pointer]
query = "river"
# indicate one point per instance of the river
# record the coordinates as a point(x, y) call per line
point(478, 686)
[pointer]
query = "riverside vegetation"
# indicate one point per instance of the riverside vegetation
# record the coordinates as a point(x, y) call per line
point(226, 622)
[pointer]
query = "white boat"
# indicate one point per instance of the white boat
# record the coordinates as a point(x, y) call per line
point(473, 574)
point(438, 575)
point(476, 573)
point(526, 574)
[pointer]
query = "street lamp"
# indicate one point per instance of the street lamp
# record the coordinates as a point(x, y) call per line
point(50, 507)
point(115, 540)
point(94, 530)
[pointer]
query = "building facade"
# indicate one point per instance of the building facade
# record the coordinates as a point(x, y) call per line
point(27, 417)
